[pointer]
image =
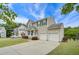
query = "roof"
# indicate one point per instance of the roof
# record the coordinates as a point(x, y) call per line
point(55, 26)
point(32, 28)
point(22, 25)
point(29, 21)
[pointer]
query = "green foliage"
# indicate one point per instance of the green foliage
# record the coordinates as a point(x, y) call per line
point(71, 32)
point(77, 8)
point(6, 14)
point(69, 7)
point(9, 28)
point(66, 48)
point(4, 42)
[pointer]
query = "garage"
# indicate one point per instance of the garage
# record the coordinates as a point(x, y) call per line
point(53, 33)
point(49, 36)
point(43, 36)
point(53, 37)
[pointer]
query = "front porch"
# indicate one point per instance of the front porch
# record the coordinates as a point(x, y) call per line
point(32, 32)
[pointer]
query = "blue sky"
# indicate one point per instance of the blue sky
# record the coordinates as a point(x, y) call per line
point(37, 11)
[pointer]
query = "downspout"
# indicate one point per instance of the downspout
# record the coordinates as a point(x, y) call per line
point(47, 31)
point(47, 34)
point(59, 34)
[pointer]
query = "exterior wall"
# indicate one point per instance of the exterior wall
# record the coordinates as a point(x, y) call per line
point(53, 31)
point(18, 31)
point(42, 29)
point(22, 29)
point(50, 21)
point(2, 32)
point(29, 23)
point(61, 32)
point(42, 33)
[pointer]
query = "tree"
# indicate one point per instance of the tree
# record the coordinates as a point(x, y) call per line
point(7, 15)
point(68, 7)
point(9, 29)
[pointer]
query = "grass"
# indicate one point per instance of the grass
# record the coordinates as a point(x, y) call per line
point(8, 41)
point(66, 48)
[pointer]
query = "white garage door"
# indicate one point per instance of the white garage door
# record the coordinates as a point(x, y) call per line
point(43, 36)
point(49, 37)
point(53, 37)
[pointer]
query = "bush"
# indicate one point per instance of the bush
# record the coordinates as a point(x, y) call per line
point(65, 39)
point(35, 38)
point(25, 37)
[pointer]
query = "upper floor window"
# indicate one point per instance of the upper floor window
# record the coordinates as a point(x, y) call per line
point(42, 22)
point(38, 23)
point(45, 22)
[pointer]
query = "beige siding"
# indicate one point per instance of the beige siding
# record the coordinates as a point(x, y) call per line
point(50, 21)
point(61, 32)
point(42, 29)
point(29, 23)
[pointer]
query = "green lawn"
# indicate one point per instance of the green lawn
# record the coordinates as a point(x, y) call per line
point(66, 48)
point(8, 41)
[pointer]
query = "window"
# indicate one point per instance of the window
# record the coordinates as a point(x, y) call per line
point(31, 32)
point(28, 32)
point(42, 22)
point(36, 32)
point(38, 23)
point(45, 22)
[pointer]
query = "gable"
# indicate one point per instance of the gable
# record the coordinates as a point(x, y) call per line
point(22, 27)
point(29, 23)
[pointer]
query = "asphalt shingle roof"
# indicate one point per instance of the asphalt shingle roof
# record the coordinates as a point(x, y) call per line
point(55, 26)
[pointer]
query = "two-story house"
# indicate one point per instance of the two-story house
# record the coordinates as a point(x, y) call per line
point(45, 29)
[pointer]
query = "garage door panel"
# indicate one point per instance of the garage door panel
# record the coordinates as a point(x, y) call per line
point(43, 36)
point(53, 37)
point(49, 36)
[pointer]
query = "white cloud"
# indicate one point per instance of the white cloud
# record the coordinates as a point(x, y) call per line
point(36, 6)
point(21, 19)
point(10, 5)
point(41, 12)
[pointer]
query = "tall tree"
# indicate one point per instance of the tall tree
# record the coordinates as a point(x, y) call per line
point(7, 15)
point(68, 7)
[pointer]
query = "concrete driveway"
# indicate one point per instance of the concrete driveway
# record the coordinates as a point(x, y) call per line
point(30, 48)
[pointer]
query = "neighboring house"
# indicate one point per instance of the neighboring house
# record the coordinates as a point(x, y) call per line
point(19, 30)
point(2, 32)
point(44, 29)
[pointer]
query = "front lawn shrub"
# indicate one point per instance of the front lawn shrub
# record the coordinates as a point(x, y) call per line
point(25, 37)
point(65, 39)
point(35, 38)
